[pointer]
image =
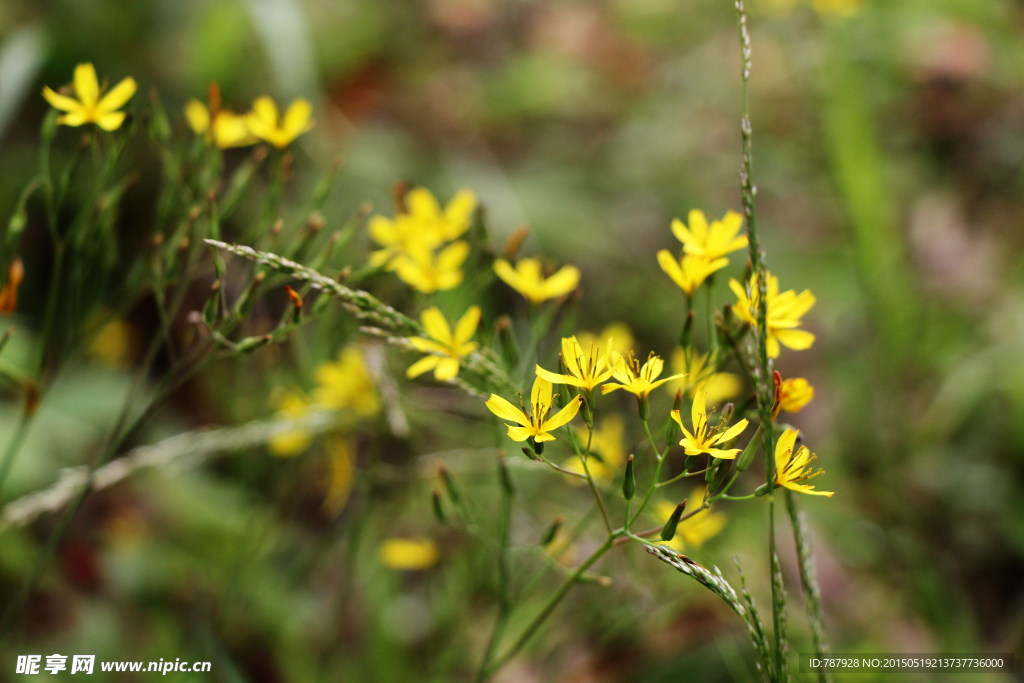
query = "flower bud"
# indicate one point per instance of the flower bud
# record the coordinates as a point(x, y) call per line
point(9, 293)
point(529, 453)
point(248, 298)
point(711, 470)
point(761, 490)
point(690, 464)
point(777, 401)
point(296, 300)
point(747, 456)
point(672, 431)
point(585, 409)
point(668, 532)
point(721, 472)
point(552, 531)
point(629, 481)
point(450, 485)
point(438, 507)
point(212, 307)
point(250, 344)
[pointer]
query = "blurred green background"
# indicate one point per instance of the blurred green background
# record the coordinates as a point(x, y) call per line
point(889, 158)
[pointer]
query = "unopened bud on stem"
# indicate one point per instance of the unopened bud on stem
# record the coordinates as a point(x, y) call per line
point(668, 532)
point(629, 482)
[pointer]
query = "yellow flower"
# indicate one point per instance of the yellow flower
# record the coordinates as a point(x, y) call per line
point(696, 530)
point(701, 376)
point(640, 381)
point(793, 468)
point(346, 384)
point(784, 313)
point(425, 226)
point(705, 437)
point(339, 451)
point(586, 371)
point(619, 333)
point(90, 107)
point(263, 121)
point(408, 554)
point(429, 272)
point(291, 405)
point(796, 393)
point(220, 126)
point(711, 243)
point(691, 271)
point(526, 278)
point(534, 425)
point(444, 347)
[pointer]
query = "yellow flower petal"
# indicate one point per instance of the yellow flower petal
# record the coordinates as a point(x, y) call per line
point(197, 116)
point(466, 327)
point(424, 364)
point(447, 369)
point(505, 410)
point(62, 102)
point(436, 325)
point(118, 95)
point(87, 87)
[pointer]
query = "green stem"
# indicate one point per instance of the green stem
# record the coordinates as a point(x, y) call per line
point(14, 445)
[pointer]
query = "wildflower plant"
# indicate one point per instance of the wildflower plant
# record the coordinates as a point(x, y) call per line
point(546, 393)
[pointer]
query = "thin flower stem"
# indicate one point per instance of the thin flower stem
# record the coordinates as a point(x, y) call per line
point(14, 445)
point(747, 497)
point(586, 471)
point(650, 438)
point(680, 476)
point(561, 469)
point(657, 476)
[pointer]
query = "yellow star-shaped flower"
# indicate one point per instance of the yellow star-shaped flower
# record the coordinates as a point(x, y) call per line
point(446, 348)
point(90, 107)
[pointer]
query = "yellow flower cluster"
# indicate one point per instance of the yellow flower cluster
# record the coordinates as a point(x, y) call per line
point(704, 248)
point(421, 243)
point(227, 129)
point(220, 126)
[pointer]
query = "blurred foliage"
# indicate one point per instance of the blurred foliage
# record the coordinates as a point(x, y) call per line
point(889, 140)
